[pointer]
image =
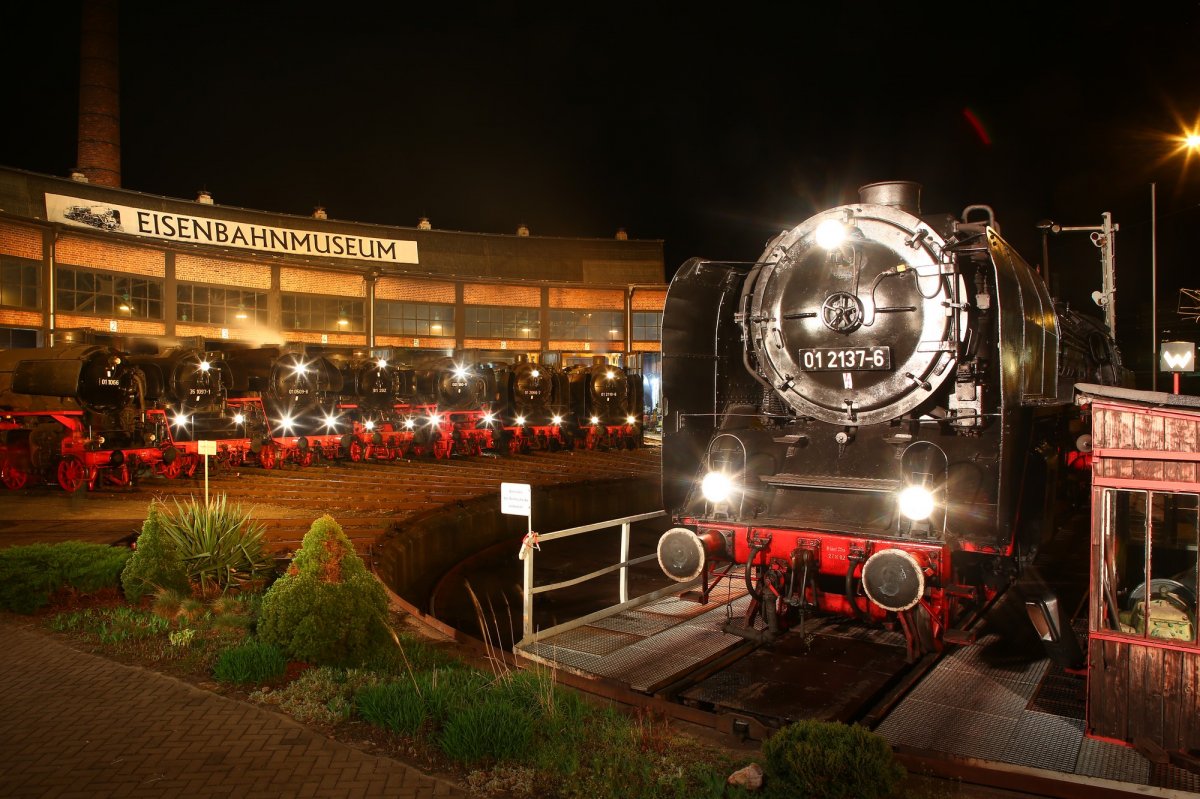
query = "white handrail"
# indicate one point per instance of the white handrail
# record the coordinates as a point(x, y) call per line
point(623, 601)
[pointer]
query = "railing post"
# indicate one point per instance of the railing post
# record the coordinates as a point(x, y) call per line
point(624, 557)
point(527, 596)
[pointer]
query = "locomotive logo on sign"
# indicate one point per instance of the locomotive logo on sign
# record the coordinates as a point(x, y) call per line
point(842, 312)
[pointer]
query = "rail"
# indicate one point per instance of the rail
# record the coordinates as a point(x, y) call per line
point(529, 635)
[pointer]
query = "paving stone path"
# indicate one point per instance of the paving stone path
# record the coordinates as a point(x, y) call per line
point(76, 725)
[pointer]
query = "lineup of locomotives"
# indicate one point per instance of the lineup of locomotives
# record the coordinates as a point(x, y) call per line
point(86, 415)
point(866, 422)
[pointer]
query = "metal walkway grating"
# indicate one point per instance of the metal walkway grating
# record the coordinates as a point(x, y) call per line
point(649, 646)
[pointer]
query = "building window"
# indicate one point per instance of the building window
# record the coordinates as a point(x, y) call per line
point(1149, 564)
point(413, 318)
point(20, 282)
point(18, 338)
point(214, 305)
point(647, 326)
point(107, 294)
point(485, 321)
point(587, 325)
point(313, 312)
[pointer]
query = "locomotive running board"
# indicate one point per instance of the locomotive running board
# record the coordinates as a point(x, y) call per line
point(831, 482)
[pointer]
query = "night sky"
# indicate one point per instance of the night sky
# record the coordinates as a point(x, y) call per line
point(709, 130)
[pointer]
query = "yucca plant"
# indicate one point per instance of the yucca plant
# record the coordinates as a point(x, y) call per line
point(220, 545)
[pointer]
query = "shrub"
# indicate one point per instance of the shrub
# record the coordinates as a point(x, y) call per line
point(251, 661)
point(490, 729)
point(155, 563)
point(825, 760)
point(327, 608)
point(322, 695)
point(394, 705)
point(218, 543)
point(30, 574)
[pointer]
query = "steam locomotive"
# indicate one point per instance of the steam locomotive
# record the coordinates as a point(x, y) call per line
point(866, 422)
point(607, 401)
point(75, 415)
point(534, 407)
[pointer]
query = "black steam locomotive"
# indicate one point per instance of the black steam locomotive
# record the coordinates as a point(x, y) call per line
point(607, 401)
point(75, 415)
point(533, 406)
point(866, 421)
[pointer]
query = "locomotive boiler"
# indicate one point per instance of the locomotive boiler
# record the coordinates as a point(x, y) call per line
point(866, 421)
point(607, 401)
point(73, 415)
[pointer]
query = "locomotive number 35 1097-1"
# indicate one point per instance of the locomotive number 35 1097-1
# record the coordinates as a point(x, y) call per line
point(848, 359)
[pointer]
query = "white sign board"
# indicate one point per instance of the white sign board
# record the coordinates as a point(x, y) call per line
point(515, 498)
point(1177, 356)
point(206, 447)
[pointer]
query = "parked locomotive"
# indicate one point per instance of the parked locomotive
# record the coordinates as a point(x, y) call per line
point(76, 415)
point(379, 404)
point(286, 402)
point(866, 421)
point(463, 393)
point(607, 401)
point(533, 407)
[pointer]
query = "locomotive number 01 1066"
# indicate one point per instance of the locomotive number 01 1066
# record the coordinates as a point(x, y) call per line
point(847, 359)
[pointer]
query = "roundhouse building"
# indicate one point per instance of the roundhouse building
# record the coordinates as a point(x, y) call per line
point(80, 256)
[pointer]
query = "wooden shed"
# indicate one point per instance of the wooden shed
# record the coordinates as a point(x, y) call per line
point(1143, 653)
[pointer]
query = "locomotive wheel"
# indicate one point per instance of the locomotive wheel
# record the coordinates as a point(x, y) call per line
point(171, 470)
point(189, 465)
point(72, 474)
point(13, 478)
point(356, 451)
point(267, 457)
point(306, 458)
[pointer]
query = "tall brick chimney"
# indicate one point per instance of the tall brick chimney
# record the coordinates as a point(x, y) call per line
point(99, 155)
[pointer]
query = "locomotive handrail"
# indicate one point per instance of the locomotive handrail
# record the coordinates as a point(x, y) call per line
point(529, 636)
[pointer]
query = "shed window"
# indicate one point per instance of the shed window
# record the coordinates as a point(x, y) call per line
point(1149, 564)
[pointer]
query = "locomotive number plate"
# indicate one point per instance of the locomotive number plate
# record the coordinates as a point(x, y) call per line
point(846, 359)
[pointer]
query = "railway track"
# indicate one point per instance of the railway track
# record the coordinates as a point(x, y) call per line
point(366, 498)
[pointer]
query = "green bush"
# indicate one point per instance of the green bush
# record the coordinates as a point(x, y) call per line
point(155, 563)
point(252, 661)
point(327, 608)
point(825, 760)
point(491, 729)
point(220, 546)
point(395, 705)
point(30, 574)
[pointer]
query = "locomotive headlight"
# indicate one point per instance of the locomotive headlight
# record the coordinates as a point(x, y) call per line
point(830, 233)
point(609, 375)
point(239, 418)
point(595, 420)
point(557, 420)
point(460, 372)
point(716, 486)
point(916, 503)
point(331, 422)
point(535, 374)
point(381, 363)
point(435, 419)
point(287, 422)
point(180, 420)
point(520, 421)
point(488, 418)
point(409, 424)
point(369, 425)
point(630, 420)
point(300, 368)
point(205, 366)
